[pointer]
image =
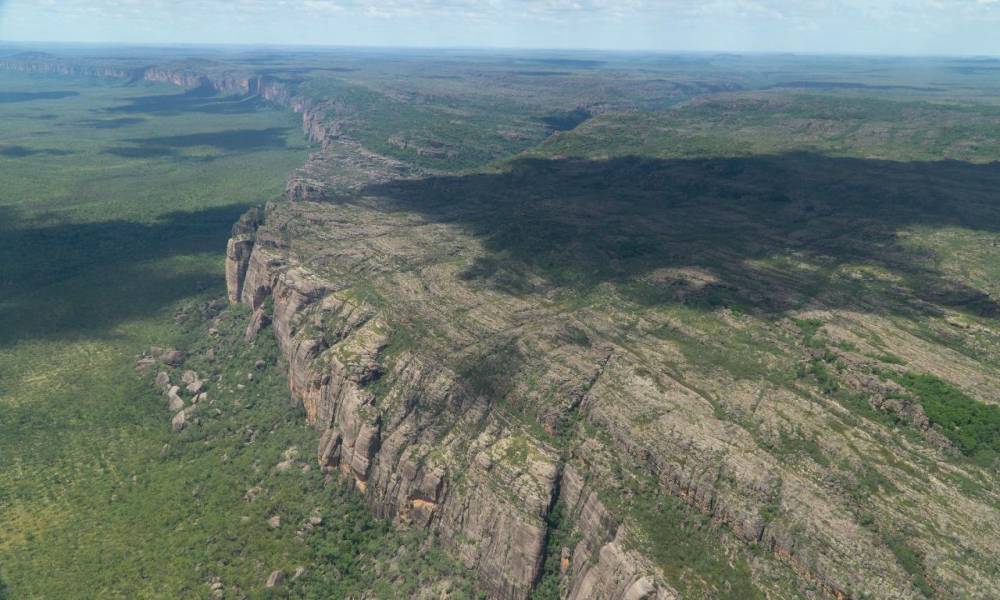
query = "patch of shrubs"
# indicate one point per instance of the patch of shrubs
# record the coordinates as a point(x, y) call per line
point(973, 426)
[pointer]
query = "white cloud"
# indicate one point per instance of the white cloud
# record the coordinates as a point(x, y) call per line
point(846, 25)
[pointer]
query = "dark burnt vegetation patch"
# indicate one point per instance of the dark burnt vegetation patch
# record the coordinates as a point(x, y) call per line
point(141, 152)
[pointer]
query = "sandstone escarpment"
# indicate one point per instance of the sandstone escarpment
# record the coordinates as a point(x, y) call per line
point(218, 79)
point(58, 67)
point(422, 449)
point(602, 565)
point(440, 395)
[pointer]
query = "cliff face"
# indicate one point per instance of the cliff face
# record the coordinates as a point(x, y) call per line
point(50, 67)
point(421, 449)
point(224, 82)
point(428, 452)
point(474, 410)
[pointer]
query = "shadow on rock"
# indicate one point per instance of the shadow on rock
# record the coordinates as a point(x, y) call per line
point(767, 234)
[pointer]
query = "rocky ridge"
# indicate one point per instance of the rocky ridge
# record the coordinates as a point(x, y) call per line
point(412, 422)
point(401, 453)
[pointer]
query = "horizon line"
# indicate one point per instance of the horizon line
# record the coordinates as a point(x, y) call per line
point(492, 48)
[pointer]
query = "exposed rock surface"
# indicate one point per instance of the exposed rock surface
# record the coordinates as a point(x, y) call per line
point(174, 401)
point(275, 579)
point(602, 566)
point(258, 321)
point(179, 422)
point(421, 435)
point(408, 454)
point(172, 357)
point(163, 380)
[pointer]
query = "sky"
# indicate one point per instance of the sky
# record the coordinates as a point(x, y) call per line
point(936, 27)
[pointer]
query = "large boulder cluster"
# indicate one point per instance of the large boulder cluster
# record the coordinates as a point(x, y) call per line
point(184, 396)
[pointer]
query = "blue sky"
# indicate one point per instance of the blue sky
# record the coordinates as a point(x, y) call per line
point(842, 26)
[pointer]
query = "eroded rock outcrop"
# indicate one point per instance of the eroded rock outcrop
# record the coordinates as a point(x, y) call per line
point(238, 254)
point(418, 431)
point(602, 566)
point(423, 451)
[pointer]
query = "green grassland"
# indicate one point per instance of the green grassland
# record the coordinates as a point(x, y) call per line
point(116, 201)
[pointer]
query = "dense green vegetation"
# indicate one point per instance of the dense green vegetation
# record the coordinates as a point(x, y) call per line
point(559, 537)
point(688, 549)
point(886, 128)
point(444, 135)
point(974, 427)
point(111, 241)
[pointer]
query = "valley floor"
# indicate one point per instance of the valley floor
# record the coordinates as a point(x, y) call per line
point(115, 204)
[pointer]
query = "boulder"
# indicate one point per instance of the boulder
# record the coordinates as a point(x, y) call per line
point(274, 522)
point(183, 418)
point(195, 387)
point(275, 579)
point(179, 422)
point(163, 380)
point(173, 358)
point(643, 589)
point(189, 377)
point(252, 493)
point(174, 401)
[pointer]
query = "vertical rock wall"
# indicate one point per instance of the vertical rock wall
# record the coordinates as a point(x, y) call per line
point(422, 450)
